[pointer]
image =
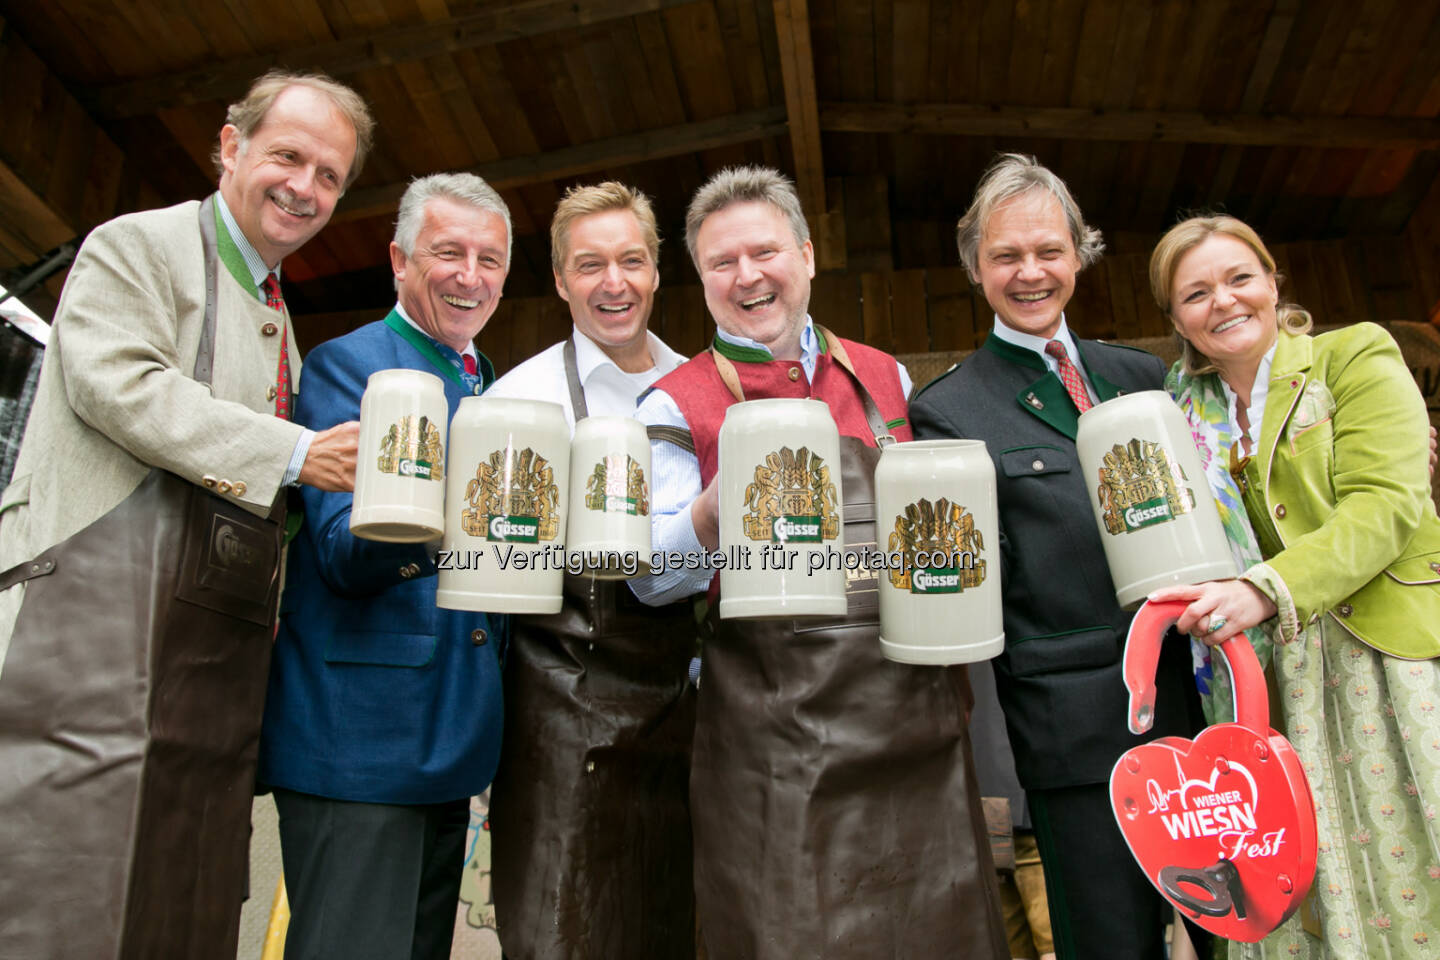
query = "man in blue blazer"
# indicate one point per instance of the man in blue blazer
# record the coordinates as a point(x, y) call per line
point(384, 713)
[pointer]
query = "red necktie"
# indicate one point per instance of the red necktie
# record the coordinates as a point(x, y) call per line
point(273, 300)
point(1069, 375)
point(469, 363)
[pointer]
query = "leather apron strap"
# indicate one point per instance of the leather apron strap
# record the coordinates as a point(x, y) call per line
point(572, 380)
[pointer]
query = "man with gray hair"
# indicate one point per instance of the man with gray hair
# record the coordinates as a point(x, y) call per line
point(1023, 241)
point(141, 539)
point(384, 713)
point(831, 794)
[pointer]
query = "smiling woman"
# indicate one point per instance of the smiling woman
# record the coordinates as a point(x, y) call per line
point(1318, 465)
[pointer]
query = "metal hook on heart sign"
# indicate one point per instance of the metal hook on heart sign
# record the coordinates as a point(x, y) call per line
point(1142, 655)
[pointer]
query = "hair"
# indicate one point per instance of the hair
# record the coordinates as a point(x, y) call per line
point(462, 188)
point(745, 185)
point(600, 198)
point(1186, 236)
point(1009, 176)
point(248, 114)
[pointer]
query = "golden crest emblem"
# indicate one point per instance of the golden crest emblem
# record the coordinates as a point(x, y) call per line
point(942, 534)
point(412, 448)
point(1141, 486)
point(792, 499)
point(617, 485)
point(513, 497)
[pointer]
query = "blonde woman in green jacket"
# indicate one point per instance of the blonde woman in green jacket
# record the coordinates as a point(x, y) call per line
point(1313, 447)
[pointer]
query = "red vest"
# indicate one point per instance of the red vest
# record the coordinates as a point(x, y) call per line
point(703, 398)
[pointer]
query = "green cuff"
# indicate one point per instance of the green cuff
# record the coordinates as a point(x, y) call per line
point(1264, 578)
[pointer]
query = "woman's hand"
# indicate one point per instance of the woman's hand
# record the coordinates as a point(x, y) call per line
point(1218, 609)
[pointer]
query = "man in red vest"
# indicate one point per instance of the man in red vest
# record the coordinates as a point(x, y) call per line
point(833, 809)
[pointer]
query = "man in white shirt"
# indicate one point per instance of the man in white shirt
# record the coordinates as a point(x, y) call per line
point(590, 825)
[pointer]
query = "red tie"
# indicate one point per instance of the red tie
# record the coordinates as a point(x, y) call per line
point(1069, 375)
point(469, 363)
point(275, 301)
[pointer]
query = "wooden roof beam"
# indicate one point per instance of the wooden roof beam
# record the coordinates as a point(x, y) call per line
point(495, 23)
point(797, 72)
point(587, 158)
point(1078, 123)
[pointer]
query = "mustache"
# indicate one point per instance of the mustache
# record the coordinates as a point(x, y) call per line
point(288, 199)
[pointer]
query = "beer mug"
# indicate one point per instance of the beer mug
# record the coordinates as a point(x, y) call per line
point(937, 521)
point(1152, 502)
point(505, 504)
point(400, 473)
point(609, 518)
point(780, 511)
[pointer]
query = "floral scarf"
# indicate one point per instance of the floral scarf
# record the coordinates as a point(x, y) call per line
point(1203, 402)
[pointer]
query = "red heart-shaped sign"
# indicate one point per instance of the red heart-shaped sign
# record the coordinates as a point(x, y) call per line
point(1224, 826)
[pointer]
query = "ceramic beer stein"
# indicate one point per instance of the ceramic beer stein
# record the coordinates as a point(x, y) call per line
point(780, 511)
point(400, 473)
point(937, 524)
point(609, 519)
point(1152, 503)
point(505, 504)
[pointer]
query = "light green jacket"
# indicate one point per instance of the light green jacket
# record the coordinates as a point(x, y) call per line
point(1339, 493)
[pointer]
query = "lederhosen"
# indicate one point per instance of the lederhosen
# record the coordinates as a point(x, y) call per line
point(832, 791)
point(130, 715)
point(590, 839)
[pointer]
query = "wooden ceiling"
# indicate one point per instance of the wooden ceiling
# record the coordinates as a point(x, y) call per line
point(1315, 121)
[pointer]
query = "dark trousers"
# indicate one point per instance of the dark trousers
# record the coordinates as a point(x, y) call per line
point(371, 881)
point(1101, 905)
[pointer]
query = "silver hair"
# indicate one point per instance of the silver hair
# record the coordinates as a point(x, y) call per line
point(745, 185)
point(463, 188)
point(1011, 175)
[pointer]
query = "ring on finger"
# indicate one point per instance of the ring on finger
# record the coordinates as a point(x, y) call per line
point(1215, 623)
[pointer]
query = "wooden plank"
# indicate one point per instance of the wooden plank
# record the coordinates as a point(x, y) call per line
point(699, 59)
point(385, 44)
point(586, 158)
point(1134, 126)
point(835, 303)
point(951, 311)
point(875, 311)
point(909, 319)
point(1122, 296)
point(1062, 51)
point(867, 223)
point(1267, 61)
point(656, 58)
point(797, 71)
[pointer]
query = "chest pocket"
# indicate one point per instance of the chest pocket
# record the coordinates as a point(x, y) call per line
point(1037, 461)
point(1310, 426)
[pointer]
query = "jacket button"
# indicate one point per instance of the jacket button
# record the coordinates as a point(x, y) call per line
point(1344, 609)
point(478, 637)
point(208, 482)
point(270, 392)
point(793, 373)
point(1280, 511)
point(269, 329)
point(1037, 464)
point(223, 486)
point(238, 488)
point(1435, 567)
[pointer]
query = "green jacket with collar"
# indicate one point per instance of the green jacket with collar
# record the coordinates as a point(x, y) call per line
point(1339, 492)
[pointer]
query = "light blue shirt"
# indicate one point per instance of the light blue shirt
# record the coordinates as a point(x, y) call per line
point(258, 272)
point(676, 480)
point(1037, 345)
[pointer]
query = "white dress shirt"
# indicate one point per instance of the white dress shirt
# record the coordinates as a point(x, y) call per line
point(609, 391)
point(1037, 345)
point(1255, 413)
point(676, 475)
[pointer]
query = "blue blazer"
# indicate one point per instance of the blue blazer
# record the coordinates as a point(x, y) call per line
point(376, 694)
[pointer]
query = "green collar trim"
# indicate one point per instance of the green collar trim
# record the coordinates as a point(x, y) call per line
point(739, 354)
point(438, 360)
point(231, 256)
point(1016, 355)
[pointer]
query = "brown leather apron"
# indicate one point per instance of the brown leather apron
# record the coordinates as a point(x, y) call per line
point(833, 793)
point(589, 812)
point(130, 710)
